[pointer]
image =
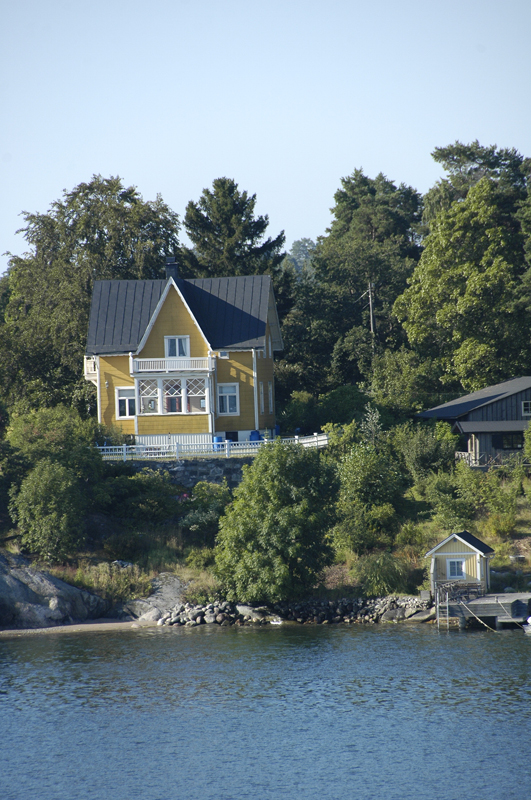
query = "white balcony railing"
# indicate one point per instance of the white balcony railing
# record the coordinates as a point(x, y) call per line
point(145, 365)
point(90, 369)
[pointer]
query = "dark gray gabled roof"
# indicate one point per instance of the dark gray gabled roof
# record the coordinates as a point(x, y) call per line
point(231, 312)
point(467, 537)
point(463, 405)
point(120, 314)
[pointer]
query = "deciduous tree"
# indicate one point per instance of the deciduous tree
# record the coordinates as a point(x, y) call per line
point(99, 230)
point(272, 543)
point(462, 309)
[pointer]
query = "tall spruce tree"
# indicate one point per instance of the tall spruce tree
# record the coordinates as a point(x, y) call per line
point(227, 237)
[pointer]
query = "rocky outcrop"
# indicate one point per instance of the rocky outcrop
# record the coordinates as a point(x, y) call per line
point(167, 592)
point(30, 598)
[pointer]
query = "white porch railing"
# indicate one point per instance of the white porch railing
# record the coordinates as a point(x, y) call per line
point(486, 460)
point(143, 365)
point(140, 452)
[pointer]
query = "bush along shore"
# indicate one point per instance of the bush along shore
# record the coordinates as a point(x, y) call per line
point(318, 612)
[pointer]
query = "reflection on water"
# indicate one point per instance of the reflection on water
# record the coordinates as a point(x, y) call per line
point(323, 712)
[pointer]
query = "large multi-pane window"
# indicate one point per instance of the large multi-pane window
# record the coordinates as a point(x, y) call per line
point(172, 396)
point(228, 398)
point(172, 392)
point(148, 391)
point(196, 395)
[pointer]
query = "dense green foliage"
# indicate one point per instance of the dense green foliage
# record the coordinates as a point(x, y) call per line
point(405, 302)
point(461, 308)
point(272, 541)
point(99, 230)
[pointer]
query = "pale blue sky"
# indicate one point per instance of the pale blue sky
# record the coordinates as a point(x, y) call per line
point(284, 97)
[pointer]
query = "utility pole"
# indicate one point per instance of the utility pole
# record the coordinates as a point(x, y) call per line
point(371, 312)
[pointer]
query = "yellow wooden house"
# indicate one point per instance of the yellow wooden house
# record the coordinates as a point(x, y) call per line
point(461, 558)
point(179, 360)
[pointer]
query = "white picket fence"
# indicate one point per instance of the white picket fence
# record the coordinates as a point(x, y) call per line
point(177, 450)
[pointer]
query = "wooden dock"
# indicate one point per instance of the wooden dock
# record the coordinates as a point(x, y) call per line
point(494, 610)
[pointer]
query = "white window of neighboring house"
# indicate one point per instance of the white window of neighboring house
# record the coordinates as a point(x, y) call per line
point(261, 385)
point(177, 346)
point(196, 395)
point(270, 395)
point(148, 391)
point(455, 568)
point(223, 353)
point(172, 394)
point(228, 399)
point(125, 402)
point(526, 408)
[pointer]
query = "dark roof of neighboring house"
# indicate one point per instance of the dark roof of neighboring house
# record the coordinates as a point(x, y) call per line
point(231, 312)
point(503, 426)
point(467, 537)
point(463, 405)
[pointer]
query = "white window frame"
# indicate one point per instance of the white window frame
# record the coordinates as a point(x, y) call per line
point(220, 394)
point(117, 399)
point(526, 408)
point(449, 575)
point(168, 339)
point(261, 389)
point(161, 412)
point(223, 353)
point(270, 396)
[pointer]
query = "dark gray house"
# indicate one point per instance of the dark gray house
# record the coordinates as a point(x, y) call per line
point(491, 422)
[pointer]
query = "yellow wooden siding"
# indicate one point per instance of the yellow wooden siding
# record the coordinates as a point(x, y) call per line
point(174, 319)
point(455, 546)
point(238, 368)
point(168, 423)
point(470, 566)
point(264, 374)
point(114, 372)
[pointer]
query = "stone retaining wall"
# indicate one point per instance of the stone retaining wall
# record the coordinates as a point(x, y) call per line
point(189, 471)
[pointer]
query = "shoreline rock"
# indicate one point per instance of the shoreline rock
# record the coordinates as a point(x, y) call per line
point(320, 612)
point(31, 598)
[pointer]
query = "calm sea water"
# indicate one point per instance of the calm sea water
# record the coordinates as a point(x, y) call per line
point(370, 713)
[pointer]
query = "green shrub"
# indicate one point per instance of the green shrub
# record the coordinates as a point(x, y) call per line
point(379, 573)
point(200, 558)
point(49, 510)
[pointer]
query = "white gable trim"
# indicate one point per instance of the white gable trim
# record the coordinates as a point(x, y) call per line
point(448, 539)
point(161, 302)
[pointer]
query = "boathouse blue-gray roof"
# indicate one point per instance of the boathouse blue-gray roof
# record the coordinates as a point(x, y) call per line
point(498, 398)
point(232, 312)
